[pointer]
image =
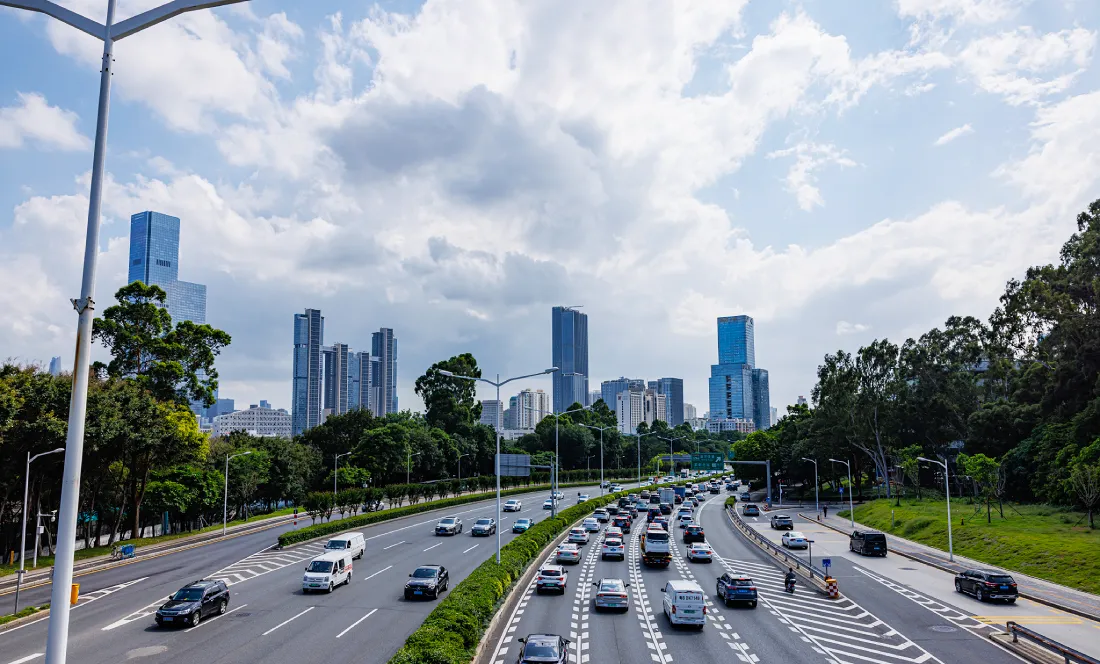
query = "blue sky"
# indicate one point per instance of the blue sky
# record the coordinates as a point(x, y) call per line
point(841, 171)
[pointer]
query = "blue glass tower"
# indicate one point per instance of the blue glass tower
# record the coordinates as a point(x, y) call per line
point(384, 371)
point(154, 260)
point(569, 334)
point(309, 334)
point(673, 389)
point(738, 390)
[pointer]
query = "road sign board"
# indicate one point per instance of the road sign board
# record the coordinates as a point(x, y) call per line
point(515, 465)
point(826, 562)
point(707, 461)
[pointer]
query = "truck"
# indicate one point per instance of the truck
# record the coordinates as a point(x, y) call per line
point(667, 496)
point(685, 473)
point(681, 491)
point(655, 550)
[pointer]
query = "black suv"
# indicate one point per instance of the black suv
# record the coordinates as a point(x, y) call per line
point(194, 602)
point(867, 543)
point(986, 584)
point(543, 648)
point(782, 522)
point(427, 581)
point(736, 588)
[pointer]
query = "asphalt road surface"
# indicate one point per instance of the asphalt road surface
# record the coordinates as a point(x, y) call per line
point(871, 623)
point(269, 618)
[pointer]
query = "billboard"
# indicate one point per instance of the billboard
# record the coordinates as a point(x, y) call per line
point(707, 461)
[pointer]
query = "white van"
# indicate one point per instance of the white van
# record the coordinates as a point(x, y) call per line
point(684, 603)
point(354, 543)
point(327, 571)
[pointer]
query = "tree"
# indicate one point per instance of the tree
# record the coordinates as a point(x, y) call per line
point(984, 471)
point(449, 401)
point(1085, 479)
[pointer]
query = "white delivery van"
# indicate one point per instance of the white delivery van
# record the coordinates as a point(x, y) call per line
point(327, 571)
point(354, 543)
point(684, 603)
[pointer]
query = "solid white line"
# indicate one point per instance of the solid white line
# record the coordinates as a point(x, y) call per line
point(374, 575)
point(27, 658)
point(392, 545)
point(433, 546)
point(286, 621)
point(357, 622)
point(207, 622)
point(471, 548)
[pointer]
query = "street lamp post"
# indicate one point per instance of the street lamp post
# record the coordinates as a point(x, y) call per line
point(225, 494)
point(497, 385)
point(57, 638)
point(557, 428)
point(601, 429)
point(409, 467)
point(23, 535)
point(947, 493)
point(817, 503)
point(671, 454)
point(851, 490)
point(335, 470)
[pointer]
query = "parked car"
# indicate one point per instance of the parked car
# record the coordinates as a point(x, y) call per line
point(521, 525)
point(782, 522)
point(427, 581)
point(543, 649)
point(736, 588)
point(484, 527)
point(193, 602)
point(612, 594)
point(512, 506)
point(867, 543)
point(700, 552)
point(448, 525)
point(750, 510)
point(568, 553)
point(793, 539)
point(986, 584)
point(551, 577)
point(694, 533)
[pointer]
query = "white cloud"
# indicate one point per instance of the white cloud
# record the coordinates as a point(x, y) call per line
point(844, 328)
point(809, 157)
point(32, 119)
point(963, 11)
point(951, 135)
point(1023, 66)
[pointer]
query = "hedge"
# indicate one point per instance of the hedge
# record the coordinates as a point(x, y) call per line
point(351, 522)
point(450, 634)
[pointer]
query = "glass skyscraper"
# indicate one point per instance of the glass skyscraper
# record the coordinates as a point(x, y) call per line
point(569, 333)
point(154, 260)
point(736, 341)
point(738, 390)
point(673, 389)
point(309, 333)
point(610, 389)
point(384, 371)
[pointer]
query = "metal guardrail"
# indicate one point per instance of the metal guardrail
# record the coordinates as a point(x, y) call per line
point(789, 558)
point(1067, 653)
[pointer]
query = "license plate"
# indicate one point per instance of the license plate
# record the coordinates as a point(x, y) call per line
point(418, 592)
point(742, 591)
point(314, 585)
point(689, 611)
point(167, 618)
point(1004, 587)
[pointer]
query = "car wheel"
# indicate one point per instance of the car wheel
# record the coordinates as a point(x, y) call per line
point(980, 594)
point(330, 586)
point(348, 580)
point(958, 587)
point(222, 605)
point(1010, 601)
point(752, 604)
point(195, 618)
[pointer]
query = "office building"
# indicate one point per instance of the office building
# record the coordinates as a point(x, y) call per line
point(384, 371)
point(258, 420)
point(738, 389)
point(736, 340)
point(801, 400)
point(775, 416)
point(629, 411)
point(689, 412)
point(306, 391)
point(593, 397)
point(154, 260)
point(360, 387)
point(55, 366)
point(337, 378)
point(492, 413)
point(735, 424)
point(673, 391)
point(264, 403)
point(528, 408)
point(731, 392)
point(762, 408)
point(656, 407)
point(569, 334)
point(610, 389)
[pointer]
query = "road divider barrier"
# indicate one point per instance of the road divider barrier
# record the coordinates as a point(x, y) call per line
point(832, 588)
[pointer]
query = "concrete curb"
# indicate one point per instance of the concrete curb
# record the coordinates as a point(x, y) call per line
point(799, 568)
point(943, 568)
point(18, 622)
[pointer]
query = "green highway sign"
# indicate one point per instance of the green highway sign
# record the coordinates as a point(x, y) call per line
point(707, 461)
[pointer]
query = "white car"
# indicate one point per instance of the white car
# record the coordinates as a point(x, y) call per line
point(552, 577)
point(591, 524)
point(548, 504)
point(557, 495)
point(614, 531)
point(568, 553)
point(793, 539)
point(613, 548)
point(578, 536)
point(581, 497)
point(700, 552)
point(512, 506)
point(686, 520)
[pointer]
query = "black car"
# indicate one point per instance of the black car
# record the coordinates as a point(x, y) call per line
point(750, 510)
point(666, 508)
point(540, 648)
point(782, 522)
point(194, 602)
point(694, 533)
point(612, 509)
point(987, 584)
point(867, 543)
point(622, 522)
point(427, 581)
point(736, 588)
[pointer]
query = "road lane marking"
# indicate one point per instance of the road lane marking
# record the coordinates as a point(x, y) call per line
point(433, 546)
point(377, 573)
point(286, 621)
point(471, 548)
point(357, 622)
point(27, 658)
point(207, 622)
point(393, 545)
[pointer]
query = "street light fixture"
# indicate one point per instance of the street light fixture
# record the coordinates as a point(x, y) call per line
point(57, 638)
point(336, 469)
point(225, 494)
point(947, 492)
point(409, 467)
point(817, 503)
point(497, 385)
point(851, 490)
point(601, 430)
point(23, 535)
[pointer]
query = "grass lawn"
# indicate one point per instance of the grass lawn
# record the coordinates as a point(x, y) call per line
point(30, 610)
point(1038, 540)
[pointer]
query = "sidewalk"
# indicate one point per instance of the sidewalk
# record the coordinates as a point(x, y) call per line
point(1060, 597)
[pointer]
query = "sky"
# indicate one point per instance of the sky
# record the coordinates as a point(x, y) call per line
point(840, 171)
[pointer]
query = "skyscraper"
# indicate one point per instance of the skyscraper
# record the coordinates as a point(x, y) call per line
point(337, 378)
point(306, 403)
point(689, 412)
point(154, 260)
point(593, 397)
point(761, 399)
point(384, 371)
point(738, 390)
point(569, 334)
point(629, 411)
point(736, 340)
point(55, 366)
point(492, 414)
point(360, 387)
point(801, 400)
point(673, 390)
point(611, 388)
point(656, 407)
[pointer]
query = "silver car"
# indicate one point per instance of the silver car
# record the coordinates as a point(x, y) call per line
point(612, 594)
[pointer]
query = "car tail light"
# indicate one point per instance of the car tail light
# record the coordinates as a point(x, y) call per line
point(674, 608)
point(1012, 585)
point(704, 609)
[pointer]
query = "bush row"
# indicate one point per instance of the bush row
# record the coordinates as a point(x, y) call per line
point(451, 632)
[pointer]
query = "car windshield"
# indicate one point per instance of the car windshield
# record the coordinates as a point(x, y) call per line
point(336, 544)
point(613, 542)
point(424, 573)
point(541, 649)
point(1000, 578)
point(794, 534)
point(577, 531)
point(742, 582)
point(551, 572)
point(694, 529)
point(874, 537)
point(612, 586)
point(483, 522)
point(657, 536)
point(523, 522)
point(321, 566)
point(447, 522)
point(188, 595)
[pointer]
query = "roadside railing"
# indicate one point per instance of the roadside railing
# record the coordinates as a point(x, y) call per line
point(788, 557)
point(1067, 653)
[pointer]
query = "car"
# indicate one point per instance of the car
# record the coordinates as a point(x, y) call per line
point(731, 488)
point(601, 515)
point(427, 581)
point(678, 499)
point(782, 522)
point(612, 510)
point(328, 570)
point(695, 502)
point(612, 594)
point(644, 495)
point(543, 649)
point(581, 497)
point(605, 484)
point(551, 577)
point(700, 551)
point(750, 510)
point(613, 548)
point(631, 498)
point(744, 496)
point(557, 495)
point(614, 531)
point(616, 488)
point(714, 488)
point(683, 603)
point(622, 523)
point(591, 524)
point(353, 542)
point(548, 504)
point(568, 553)
point(521, 525)
point(193, 602)
point(867, 543)
point(449, 525)
point(733, 587)
point(484, 527)
point(578, 536)
point(512, 506)
point(666, 508)
point(662, 521)
point(632, 510)
point(793, 539)
point(987, 584)
point(685, 520)
point(694, 533)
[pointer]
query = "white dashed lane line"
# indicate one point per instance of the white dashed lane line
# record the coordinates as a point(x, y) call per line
point(287, 621)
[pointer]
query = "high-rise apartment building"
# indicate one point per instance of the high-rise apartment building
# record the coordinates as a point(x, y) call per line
point(306, 397)
point(569, 334)
point(337, 378)
point(801, 400)
point(154, 260)
point(689, 412)
point(384, 371)
point(673, 391)
point(761, 399)
point(609, 389)
point(656, 407)
point(593, 397)
point(738, 390)
point(629, 411)
point(529, 408)
point(775, 416)
point(492, 413)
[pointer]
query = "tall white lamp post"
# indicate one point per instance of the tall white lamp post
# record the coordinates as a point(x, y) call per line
point(851, 490)
point(336, 469)
point(817, 503)
point(23, 531)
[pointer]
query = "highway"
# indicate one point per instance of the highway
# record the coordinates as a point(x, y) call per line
point(269, 618)
point(871, 623)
